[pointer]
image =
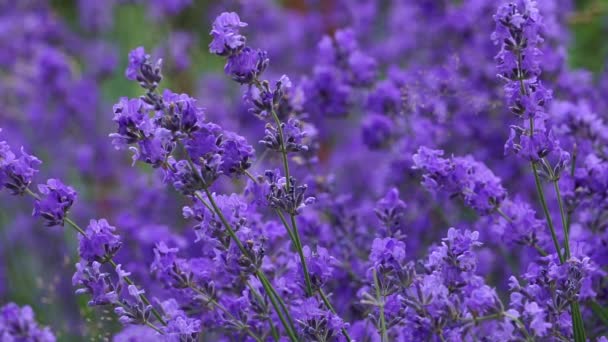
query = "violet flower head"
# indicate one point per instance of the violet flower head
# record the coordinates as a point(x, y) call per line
point(134, 124)
point(179, 113)
point(518, 27)
point(377, 131)
point(141, 69)
point(137, 58)
point(291, 201)
point(246, 66)
point(294, 135)
point(320, 265)
point(100, 242)
point(55, 201)
point(182, 328)
point(315, 322)
point(237, 154)
point(90, 279)
point(16, 173)
point(226, 37)
point(463, 176)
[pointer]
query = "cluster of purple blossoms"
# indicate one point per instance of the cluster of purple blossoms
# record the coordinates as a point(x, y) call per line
point(376, 205)
point(19, 324)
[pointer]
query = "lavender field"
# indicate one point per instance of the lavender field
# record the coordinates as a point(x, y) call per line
point(303, 170)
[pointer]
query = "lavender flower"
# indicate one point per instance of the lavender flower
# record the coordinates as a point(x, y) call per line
point(55, 201)
point(100, 243)
point(225, 33)
point(18, 324)
point(16, 173)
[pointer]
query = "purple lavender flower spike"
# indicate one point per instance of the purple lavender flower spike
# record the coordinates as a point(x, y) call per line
point(55, 201)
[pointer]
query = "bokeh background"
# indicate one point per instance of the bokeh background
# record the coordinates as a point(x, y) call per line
point(62, 68)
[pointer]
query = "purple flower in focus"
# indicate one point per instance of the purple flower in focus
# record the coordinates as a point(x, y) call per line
point(99, 243)
point(247, 65)
point(55, 201)
point(16, 173)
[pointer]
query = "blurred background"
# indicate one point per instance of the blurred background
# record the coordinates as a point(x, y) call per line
point(61, 70)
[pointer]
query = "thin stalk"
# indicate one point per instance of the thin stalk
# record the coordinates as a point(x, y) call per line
point(539, 249)
point(77, 228)
point(153, 327)
point(331, 308)
point(294, 225)
point(295, 239)
point(380, 304)
point(543, 203)
point(250, 176)
point(200, 198)
point(564, 219)
point(273, 329)
point(223, 309)
point(277, 303)
point(577, 320)
point(499, 315)
point(141, 295)
point(260, 275)
point(283, 151)
point(286, 225)
point(267, 286)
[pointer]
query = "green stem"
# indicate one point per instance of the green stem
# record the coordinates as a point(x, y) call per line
point(265, 283)
point(577, 320)
point(222, 308)
point(539, 249)
point(543, 203)
point(141, 295)
point(256, 294)
point(296, 234)
point(380, 303)
point(278, 305)
point(331, 308)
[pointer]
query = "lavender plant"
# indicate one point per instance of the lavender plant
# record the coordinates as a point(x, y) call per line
point(347, 176)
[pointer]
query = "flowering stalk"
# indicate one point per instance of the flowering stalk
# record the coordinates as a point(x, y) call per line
point(274, 298)
point(380, 304)
point(272, 294)
point(517, 31)
point(110, 260)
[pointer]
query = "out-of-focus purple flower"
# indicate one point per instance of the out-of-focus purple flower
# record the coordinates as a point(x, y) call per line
point(163, 8)
point(363, 67)
point(137, 333)
point(55, 201)
point(225, 33)
point(137, 58)
point(326, 94)
point(19, 324)
point(182, 328)
point(390, 210)
point(463, 176)
point(377, 131)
